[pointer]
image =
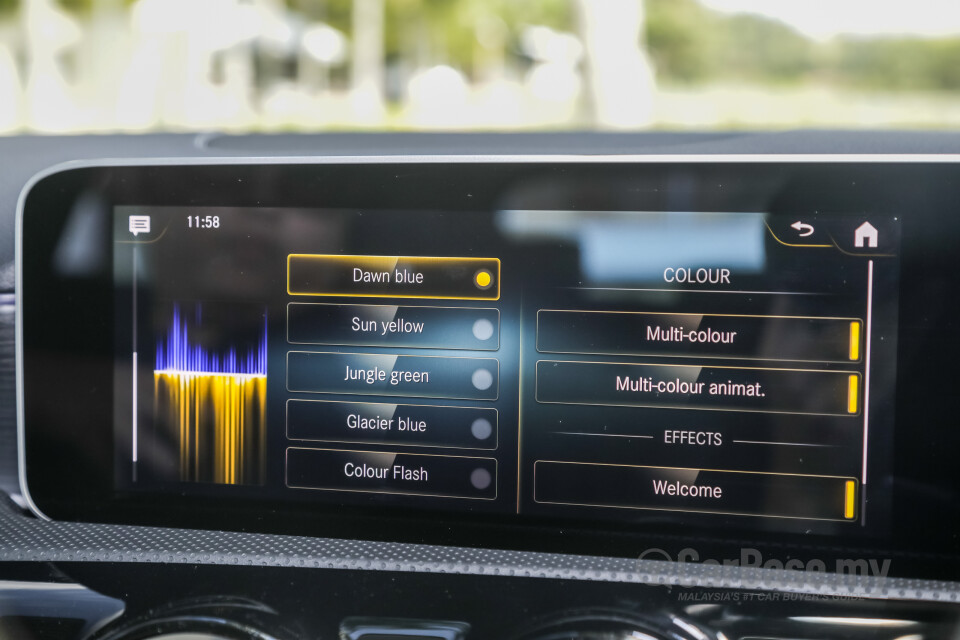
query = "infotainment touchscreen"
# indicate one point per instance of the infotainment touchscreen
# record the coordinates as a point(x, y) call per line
point(601, 364)
point(527, 355)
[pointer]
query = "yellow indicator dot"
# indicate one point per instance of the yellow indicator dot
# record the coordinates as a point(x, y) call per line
point(850, 498)
point(483, 279)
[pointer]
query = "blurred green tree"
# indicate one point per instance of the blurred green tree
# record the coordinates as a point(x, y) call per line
point(897, 64)
point(687, 42)
point(691, 43)
point(441, 31)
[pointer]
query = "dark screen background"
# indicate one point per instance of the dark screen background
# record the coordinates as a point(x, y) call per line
point(219, 259)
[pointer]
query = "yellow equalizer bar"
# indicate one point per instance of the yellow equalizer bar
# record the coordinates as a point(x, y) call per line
point(219, 421)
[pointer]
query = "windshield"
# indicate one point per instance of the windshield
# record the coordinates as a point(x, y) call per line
point(98, 66)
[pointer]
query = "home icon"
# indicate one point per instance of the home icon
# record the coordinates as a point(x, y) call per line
point(865, 233)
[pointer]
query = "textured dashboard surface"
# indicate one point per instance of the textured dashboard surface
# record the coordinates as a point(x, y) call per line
point(23, 538)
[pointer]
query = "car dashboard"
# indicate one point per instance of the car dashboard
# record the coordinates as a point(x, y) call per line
point(479, 386)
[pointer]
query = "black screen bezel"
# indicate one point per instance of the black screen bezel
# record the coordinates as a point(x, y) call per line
point(64, 490)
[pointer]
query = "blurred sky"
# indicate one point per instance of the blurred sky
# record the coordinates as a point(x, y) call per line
point(825, 18)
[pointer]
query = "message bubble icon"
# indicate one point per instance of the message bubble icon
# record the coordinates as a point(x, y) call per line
point(139, 224)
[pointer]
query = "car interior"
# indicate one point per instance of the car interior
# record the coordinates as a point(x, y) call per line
point(408, 376)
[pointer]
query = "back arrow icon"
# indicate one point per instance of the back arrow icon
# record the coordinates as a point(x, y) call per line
point(804, 229)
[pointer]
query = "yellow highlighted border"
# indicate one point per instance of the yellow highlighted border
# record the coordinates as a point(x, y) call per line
point(388, 263)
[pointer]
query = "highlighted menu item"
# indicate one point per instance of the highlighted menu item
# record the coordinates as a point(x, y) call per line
point(422, 277)
point(699, 490)
point(797, 391)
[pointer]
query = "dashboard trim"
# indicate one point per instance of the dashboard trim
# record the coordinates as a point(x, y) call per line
point(23, 538)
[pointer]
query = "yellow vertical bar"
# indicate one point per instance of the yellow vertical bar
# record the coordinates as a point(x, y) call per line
point(196, 383)
point(850, 499)
point(855, 340)
point(853, 389)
